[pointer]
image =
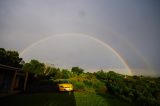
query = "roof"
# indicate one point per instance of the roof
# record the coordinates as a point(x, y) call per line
point(9, 67)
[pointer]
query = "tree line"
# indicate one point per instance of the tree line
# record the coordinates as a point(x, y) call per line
point(140, 90)
point(39, 69)
point(10, 58)
point(43, 71)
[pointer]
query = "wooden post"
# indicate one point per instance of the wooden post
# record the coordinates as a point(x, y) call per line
point(13, 81)
point(25, 81)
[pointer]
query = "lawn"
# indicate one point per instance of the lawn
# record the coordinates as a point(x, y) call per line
point(62, 99)
point(93, 99)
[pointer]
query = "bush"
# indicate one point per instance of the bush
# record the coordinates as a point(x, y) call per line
point(89, 85)
point(145, 101)
point(78, 85)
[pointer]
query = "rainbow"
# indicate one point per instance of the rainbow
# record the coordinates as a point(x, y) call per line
point(84, 36)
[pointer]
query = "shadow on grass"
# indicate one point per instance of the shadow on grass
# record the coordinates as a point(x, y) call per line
point(40, 99)
point(40, 93)
point(42, 86)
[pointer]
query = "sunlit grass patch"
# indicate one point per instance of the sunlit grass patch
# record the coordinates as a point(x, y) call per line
point(83, 83)
point(89, 99)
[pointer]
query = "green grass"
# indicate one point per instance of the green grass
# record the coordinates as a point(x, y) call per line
point(115, 101)
point(89, 99)
point(93, 99)
point(63, 99)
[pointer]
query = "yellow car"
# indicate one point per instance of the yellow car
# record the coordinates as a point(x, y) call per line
point(65, 85)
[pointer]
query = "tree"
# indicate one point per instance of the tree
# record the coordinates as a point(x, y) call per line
point(10, 58)
point(58, 74)
point(77, 70)
point(66, 74)
point(101, 75)
point(34, 66)
point(54, 73)
point(3, 55)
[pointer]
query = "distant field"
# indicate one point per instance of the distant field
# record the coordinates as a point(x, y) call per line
point(62, 99)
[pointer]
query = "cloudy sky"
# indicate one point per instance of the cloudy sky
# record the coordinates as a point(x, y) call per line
point(92, 34)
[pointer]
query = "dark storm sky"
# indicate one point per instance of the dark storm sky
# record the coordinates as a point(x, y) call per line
point(131, 27)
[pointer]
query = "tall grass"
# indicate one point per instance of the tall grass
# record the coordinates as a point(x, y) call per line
point(83, 83)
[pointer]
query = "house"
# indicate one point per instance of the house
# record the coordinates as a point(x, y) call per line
point(12, 80)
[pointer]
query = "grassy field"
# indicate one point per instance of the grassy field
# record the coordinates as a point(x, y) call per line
point(62, 99)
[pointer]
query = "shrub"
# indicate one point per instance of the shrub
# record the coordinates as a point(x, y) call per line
point(145, 101)
point(89, 85)
point(78, 85)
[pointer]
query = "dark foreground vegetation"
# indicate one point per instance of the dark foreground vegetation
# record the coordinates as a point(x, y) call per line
point(135, 90)
point(143, 91)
